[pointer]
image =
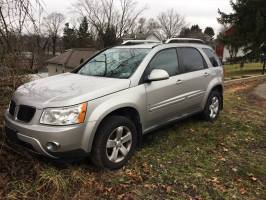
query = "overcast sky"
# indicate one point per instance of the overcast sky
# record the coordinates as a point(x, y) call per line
point(202, 12)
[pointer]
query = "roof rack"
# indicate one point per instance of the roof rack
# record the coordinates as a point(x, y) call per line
point(135, 42)
point(184, 40)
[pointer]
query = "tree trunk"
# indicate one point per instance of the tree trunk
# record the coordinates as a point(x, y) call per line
point(54, 45)
point(264, 65)
point(242, 64)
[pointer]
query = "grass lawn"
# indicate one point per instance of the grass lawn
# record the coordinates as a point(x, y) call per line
point(249, 69)
point(191, 159)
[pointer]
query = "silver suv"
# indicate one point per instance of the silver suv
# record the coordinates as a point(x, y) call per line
point(104, 106)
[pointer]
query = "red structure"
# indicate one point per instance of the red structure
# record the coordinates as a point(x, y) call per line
point(219, 49)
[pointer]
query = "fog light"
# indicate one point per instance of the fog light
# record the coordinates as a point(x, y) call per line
point(52, 146)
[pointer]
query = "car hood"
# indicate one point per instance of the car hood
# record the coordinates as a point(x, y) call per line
point(67, 89)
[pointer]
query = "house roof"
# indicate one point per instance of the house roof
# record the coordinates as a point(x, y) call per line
point(155, 34)
point(72, 57)
point(143, 36)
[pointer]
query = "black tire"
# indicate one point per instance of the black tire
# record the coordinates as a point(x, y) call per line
point(99, 155)
point(206, 114)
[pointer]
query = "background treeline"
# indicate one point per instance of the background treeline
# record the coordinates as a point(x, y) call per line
point(29, 35)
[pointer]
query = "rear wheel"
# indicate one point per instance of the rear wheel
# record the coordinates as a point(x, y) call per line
point(115, 142)
point(213, 106)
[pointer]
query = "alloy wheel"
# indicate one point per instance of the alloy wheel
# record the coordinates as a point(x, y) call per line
point(214, 107)
point(119, 144)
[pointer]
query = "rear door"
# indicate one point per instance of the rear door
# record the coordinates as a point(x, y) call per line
point(195, 77)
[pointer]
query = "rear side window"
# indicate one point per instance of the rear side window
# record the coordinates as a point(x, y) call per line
point(166, 60)
point(212, 57)
point(191, 59)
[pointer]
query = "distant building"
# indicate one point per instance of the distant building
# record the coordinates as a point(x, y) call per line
point(223, 51)
point(155, 36)
point(69, 60)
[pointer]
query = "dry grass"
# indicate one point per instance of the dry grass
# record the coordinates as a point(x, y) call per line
point(234, 70)
point(187, 160)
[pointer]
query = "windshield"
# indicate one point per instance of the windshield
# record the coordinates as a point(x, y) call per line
point(115, 63)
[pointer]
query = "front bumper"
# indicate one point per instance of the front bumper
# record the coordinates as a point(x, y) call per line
point(36, 136)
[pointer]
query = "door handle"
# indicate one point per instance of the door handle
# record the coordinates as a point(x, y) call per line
point(179, 81)
point(206, 74)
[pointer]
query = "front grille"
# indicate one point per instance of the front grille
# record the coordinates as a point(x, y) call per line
point(25, 113)
point(12, 108)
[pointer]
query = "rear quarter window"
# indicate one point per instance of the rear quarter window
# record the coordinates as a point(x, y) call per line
point(215, 61)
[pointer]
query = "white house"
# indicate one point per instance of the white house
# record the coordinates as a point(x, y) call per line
point(69, 60)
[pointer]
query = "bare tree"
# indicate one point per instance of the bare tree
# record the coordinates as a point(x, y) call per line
point(153, 25)
point(141, 27)
point(15, 15)
point(107, 14)
point(128, 16)
point(170, 23)
point(53, 23)
point(16, 18)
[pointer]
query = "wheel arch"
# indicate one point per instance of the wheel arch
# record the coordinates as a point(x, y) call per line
point(128, 111)
point(217, 87)
point(220, 89)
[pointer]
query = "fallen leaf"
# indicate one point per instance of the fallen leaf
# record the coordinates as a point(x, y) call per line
point(225, 149)
point(192, 130)
point(221, 158)
point(243, 191)
point(234, 169)
point(215, 180)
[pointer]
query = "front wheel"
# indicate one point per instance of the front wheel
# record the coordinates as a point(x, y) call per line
point(213, 106)
point(115, 142)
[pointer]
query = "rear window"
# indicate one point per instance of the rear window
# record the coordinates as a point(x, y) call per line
point(212, 57)
point(191, 59)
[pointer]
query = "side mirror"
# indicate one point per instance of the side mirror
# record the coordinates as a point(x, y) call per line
point(158, 75)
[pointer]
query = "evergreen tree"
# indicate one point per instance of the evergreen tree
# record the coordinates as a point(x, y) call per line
point(193, 32)
point(209, 31)
point(233, 43)
point(83, 35)
point(69, 37)
point(195, 29)
point(249, 21)
point(185, 32)
point(108, 37)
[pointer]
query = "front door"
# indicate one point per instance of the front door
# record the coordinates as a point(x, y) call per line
point(163, 96)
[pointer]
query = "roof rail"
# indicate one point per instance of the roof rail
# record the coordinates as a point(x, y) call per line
point(135, 42)
point(184, 40)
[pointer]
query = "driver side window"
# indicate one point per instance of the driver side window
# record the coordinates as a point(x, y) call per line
point(166, 60)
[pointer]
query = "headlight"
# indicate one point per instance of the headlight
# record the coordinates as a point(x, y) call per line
point(64, 115)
